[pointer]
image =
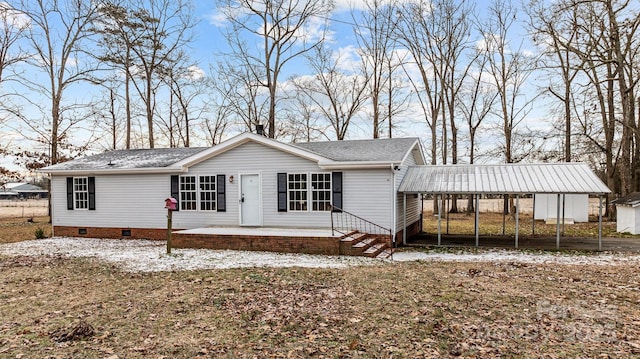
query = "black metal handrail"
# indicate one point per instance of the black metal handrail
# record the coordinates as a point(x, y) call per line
point(344, 223)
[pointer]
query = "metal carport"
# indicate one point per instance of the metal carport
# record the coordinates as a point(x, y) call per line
point(512, 179)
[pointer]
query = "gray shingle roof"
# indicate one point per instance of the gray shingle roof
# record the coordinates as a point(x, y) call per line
point(127, 159)
point(503, 179)
point(384, 150)
point(391, 150)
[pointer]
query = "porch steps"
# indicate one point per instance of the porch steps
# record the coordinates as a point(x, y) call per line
point(354, 237)
point(365, 244)
point(375, 249)
point(386, 254)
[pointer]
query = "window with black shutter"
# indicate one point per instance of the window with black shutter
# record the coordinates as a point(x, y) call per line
point(336, 191)
point(282, 192)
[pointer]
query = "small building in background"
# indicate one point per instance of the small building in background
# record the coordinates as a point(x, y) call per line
point(628, 213)
point(22, 190)
point(576, 207)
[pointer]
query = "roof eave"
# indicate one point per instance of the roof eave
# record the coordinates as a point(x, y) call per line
point(357, 165)
point(115, 171)
point(417, 146)
point(242, 139)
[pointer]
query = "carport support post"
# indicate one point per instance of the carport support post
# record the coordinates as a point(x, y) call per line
point(477, 224)
point(564, 196)
point(600, 224)
point(439, 199)
point(558, 223)
point(533, 216)
point(517, 218)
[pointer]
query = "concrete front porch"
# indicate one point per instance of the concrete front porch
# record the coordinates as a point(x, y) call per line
point(278, 239)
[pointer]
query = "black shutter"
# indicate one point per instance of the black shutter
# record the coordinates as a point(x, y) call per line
point(221, 195)
point(70, 193)
point(175, 190)
point(282, 192)
point(336, 191)
point(92, 193)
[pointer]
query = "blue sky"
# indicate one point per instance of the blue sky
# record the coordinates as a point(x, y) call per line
point(209, 42)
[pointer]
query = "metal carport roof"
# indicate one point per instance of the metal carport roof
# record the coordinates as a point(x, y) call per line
point(513, 179)
point(563, 178)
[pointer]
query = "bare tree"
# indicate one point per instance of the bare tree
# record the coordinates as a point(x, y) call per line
point(119, 31)
point(145, 39)
point(375, 36)
point(187, 86)
point(13, 27)
point(603, 39)
point(284, 30)
point(477, 100)
point(413, 32)
point(555, 32)
point(338, 96)
point(509, 67)
point(107, 111)
point(305, 121)
point(239, 94)
point(58, 34)
point(167, 30)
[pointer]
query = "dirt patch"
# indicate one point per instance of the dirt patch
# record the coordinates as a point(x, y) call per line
point(418, 309)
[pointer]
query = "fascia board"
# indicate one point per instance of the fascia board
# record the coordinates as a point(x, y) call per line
point(242, 139)
point(418, 146)
point(356, 165)
point(117, 171)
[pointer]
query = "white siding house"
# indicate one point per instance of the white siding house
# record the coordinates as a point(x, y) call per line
point(247, 181)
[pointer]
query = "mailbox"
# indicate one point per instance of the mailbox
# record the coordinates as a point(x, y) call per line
point(170, 203)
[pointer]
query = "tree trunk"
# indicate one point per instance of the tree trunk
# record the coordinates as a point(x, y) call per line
point(149, 106)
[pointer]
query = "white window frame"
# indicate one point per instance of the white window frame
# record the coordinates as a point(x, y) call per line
point(81, 193)
point(309, 203)
point(316, 193)
point(207, 192)
point(187, 193)
point(300, 203)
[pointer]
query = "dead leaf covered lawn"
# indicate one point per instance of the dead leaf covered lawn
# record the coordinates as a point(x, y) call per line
point(401, 310)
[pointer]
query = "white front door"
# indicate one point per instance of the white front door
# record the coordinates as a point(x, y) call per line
point(250, 200)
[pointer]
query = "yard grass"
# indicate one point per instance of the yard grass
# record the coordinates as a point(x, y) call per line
point(399, 310)
point(491, 224)
point(402, 310)
point(21, 229)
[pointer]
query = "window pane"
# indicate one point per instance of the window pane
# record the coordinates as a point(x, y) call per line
point(188, 193)
point(297, 185)
point(320, 191)
point(207, 193)
point(81, 192)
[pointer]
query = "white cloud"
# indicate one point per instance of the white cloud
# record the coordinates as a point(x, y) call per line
point(195, 73)
point(218, 19)
point(12, 18)
point(347, 5)
point(349, 58)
